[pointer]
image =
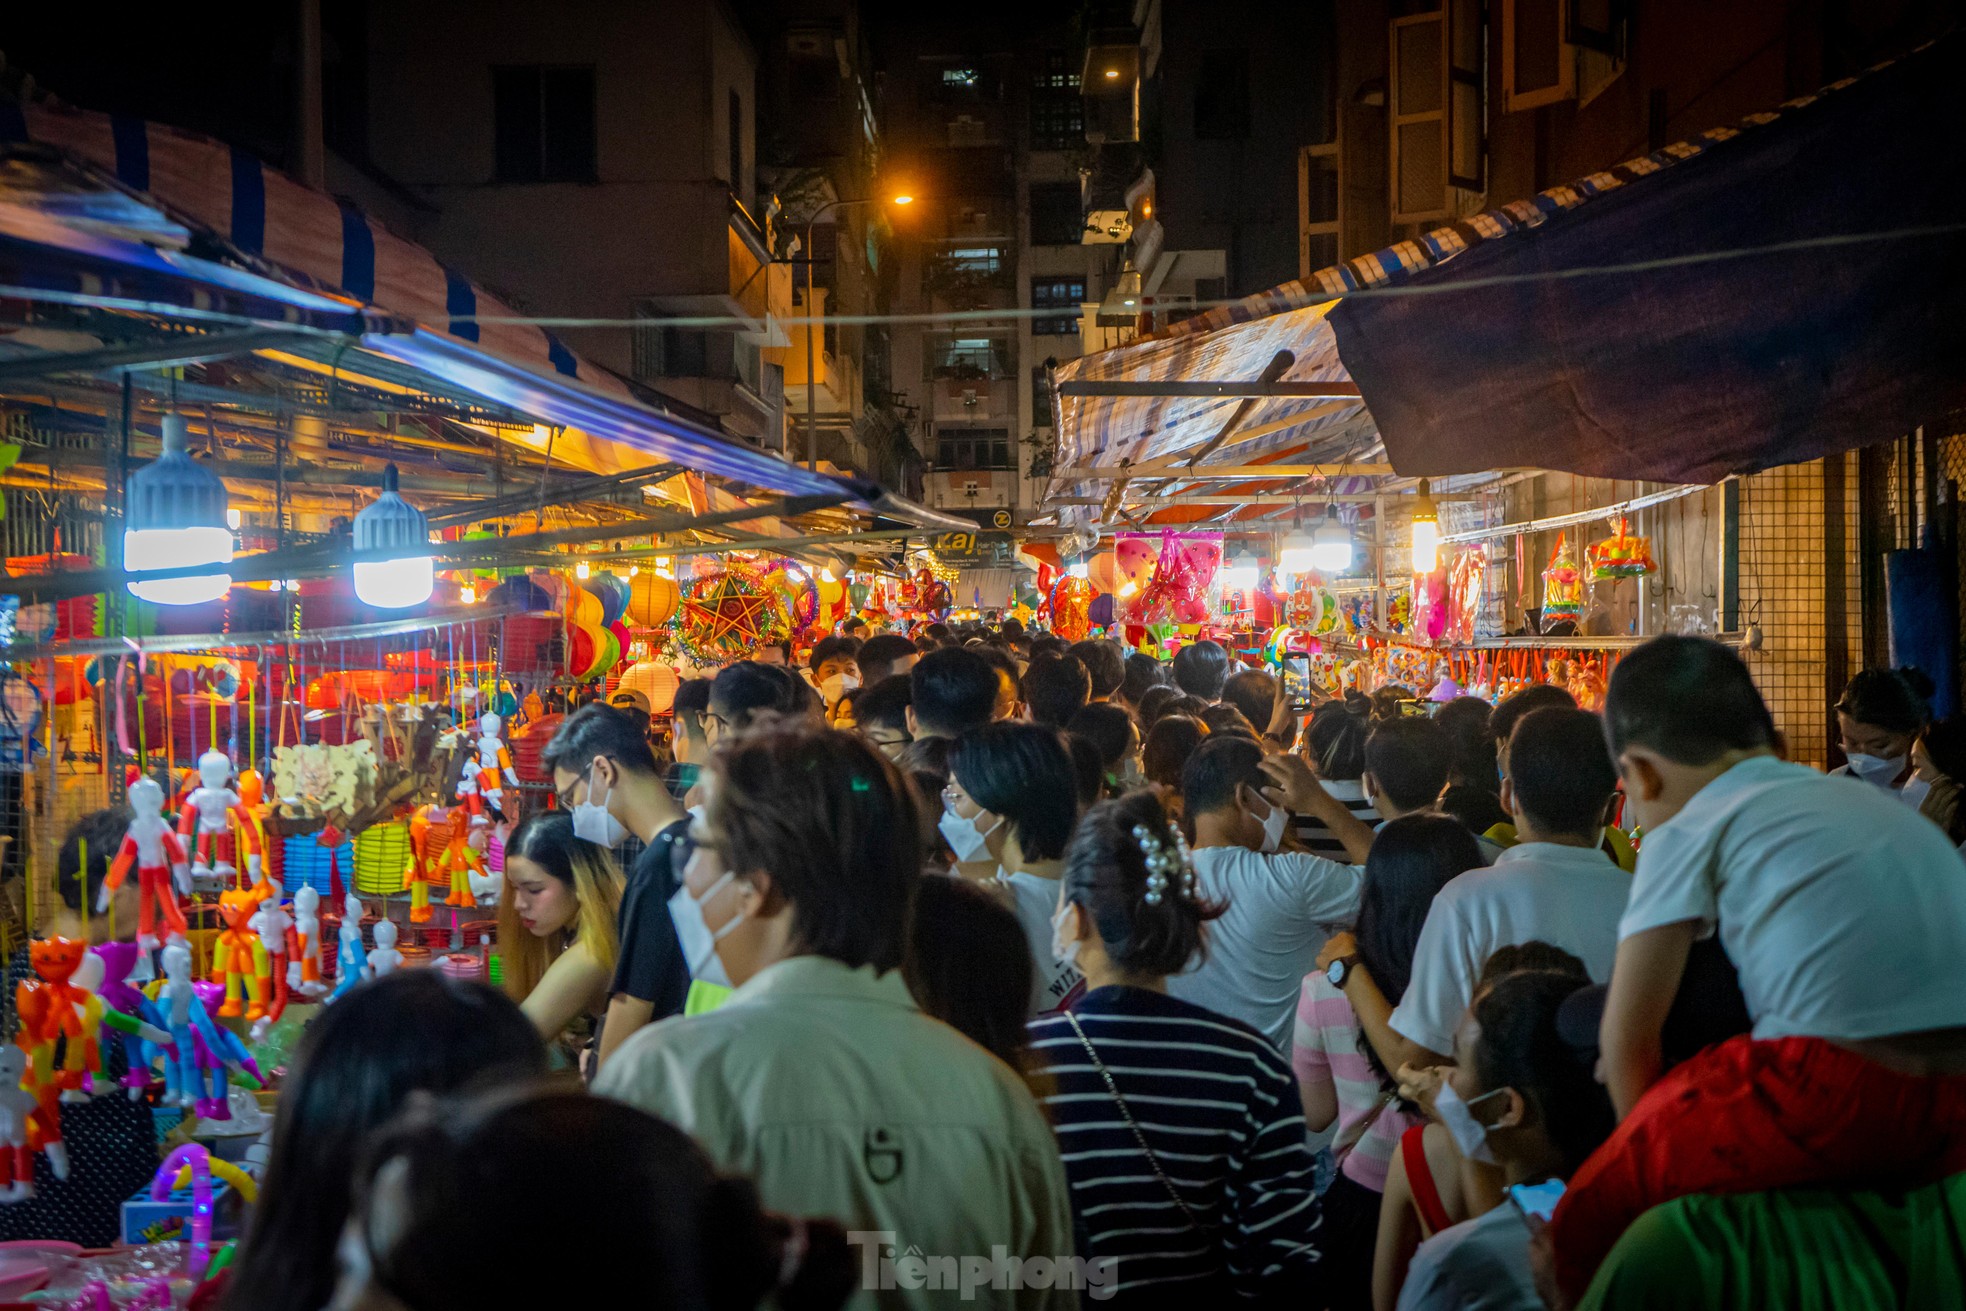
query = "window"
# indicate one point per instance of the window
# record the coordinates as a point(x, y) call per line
point(543, 124)
point(1040, 398)
point(1064, 293)
point(1057, 113)
point(960, 79)
point(980, 261)
point(962, 450)
point(1320, 207)
point(671, 353)
point(1056, 219)
point(967, 357)
point(736, 126)
point(1222, 96)
point(1435, 101)
point(1536, 65)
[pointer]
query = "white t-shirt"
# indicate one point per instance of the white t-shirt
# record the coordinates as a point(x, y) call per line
point(1281, 908)
point(1843, 910)
point(1569, 897)
point(1035, 900)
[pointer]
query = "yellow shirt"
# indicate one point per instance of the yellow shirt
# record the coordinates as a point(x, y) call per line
point(1617, 844)
point(831, 1089)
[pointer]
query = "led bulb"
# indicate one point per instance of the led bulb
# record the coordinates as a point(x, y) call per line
point(393, 584)
point(178, 548)
point(581, 571)
point(468, 594)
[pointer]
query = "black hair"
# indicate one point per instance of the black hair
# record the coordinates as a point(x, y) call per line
point(1560, 771)
point(1200, 668)
point(954, 691)
point(939, 631)
point(1106, 872)
point(1510, 710)
point(1104, 662)
point(1477, 809)
point(746, 689)
point(1013, 628)
point(1335, 740)
point(1023, 772)
point(1183, 704)
point(1412, 858)
point(1945, 747)
point(1255, 693)
point(1225, 718)
point(1048, 644)
point(1143, 674)
point(1471, 744)
point(1154, 701)
point(1519, 1047)
point(969, 964)
point(1055, 688)
point(102, 831)
point(831, 648)
point(884, 703)
point(691, 704)
point(1108, 727)
point(599, 730)
point(1408, 760)
point(1386, 701)
point(636, 1194)
point(836, 828)
point(1895, 700)
point(1088, 768)
point(357, 1064)
point(1169, 744)
point(1688, 698)
point(1532, 955)
point(880, 653)
point(1217, 768)
point(853, 622)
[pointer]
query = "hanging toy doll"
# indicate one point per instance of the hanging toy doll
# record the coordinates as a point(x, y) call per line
point(423, 861)
point(274, 929)
point(17, 1110)
point(385, 959)
point(460, 860)
point(202, 1053)
point(119, 961)
point(157, 853)
point(211, 810)
point(304, 970)
point(82, 1058)
point(47, 1007)
point(233, 954)
point(350, 959)
point(494, 760)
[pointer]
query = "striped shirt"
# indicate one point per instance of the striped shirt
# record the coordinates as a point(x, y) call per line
point(1330, 1049)
point(1220, 1110)
point(1319, 840)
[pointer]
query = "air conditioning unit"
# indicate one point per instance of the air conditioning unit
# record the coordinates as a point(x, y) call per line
point(1107, 227)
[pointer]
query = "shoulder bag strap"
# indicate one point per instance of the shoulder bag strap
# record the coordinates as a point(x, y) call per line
point(1138, 1137)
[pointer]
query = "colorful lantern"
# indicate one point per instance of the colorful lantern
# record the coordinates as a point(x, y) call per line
point(1563, 585)
point(652, 600)
point(1103, 571)
point(1071, 603)
point(1621, 555)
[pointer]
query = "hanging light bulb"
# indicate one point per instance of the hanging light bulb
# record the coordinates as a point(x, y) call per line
point(1297, 554)
point(389, 523)
point(665, 566)
point(467, 594)
point(1426, 532)
point(1331, 544)
point(634, 569)
point(581, 571)
point(233, 519)
point(176, 517)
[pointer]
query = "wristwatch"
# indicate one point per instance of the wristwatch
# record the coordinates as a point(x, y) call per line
point(1340, 970)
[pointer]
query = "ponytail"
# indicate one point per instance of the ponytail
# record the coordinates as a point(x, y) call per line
point(751, 1254)
point(1130, 867)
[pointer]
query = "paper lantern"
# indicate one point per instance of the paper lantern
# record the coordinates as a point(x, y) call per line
point(1100, 613)
point(832, 601)
point(1563, 585)
point(613, 593)
point(1621, 555)
point(728, 615)
point(583, 649)
point(522, 593)
point(622, 637)
point(583, 608)
point(382, 854)
point(1103, 571)
point(657, 682)
point(1133, 562)
point(1071, 603)
point(652, 600)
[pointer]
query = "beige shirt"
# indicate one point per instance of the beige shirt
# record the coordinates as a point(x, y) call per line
point(832, 1090)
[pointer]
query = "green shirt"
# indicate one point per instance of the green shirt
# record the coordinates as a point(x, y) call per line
point(1802, 1249)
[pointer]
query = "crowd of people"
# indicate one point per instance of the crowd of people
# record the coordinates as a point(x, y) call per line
point(979, 964)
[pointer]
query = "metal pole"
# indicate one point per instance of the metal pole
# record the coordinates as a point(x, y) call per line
point(812, 406)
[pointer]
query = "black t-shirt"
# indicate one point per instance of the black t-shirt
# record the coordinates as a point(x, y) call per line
point(651, 967)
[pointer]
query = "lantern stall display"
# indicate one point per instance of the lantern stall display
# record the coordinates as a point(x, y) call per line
point(1621, 555)
point(1563, 586)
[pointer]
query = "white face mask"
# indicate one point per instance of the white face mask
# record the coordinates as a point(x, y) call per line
point(593, 823)
point(837, 686)
point(693, 932)
point(1063, 951)
point(1273, 826)
point(1915, 791)
point(964, 837)
point(1876, 769)
point(1470, 1135)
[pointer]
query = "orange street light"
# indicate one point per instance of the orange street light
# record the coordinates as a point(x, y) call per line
point(904, 199)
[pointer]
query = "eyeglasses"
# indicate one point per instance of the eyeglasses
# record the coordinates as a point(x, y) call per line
point(712, 717)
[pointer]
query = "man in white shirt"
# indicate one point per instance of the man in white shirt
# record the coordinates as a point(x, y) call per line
point(1844, 913)
point(1555, 886)
point(1280, 905)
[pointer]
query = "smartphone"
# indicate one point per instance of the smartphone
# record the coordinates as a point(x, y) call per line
point(1538, 1200)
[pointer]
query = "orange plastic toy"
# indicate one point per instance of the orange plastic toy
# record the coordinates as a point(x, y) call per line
point(233, 960)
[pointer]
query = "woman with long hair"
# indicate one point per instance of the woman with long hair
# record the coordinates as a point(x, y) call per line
point(1179, 1126)
point(557, 936)
point(1339, 1075)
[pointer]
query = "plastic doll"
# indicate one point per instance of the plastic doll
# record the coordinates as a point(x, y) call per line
point(275, 931)
point(385, 959)
point(304, 970)
point(201, 1051)
point(47, 1007)
point(494, 760)
point(429, 825)
point(210, 810)
point(82, 1059)
point(157, 853)
point(119, 961)
point(460, 860)
point(17, 1109)
point(233, 953)
point(351, 959)
point(471, 793)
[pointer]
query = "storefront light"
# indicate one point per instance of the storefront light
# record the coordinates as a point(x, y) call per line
point(1297, 554)
point(1331, 544)
point(1426, 532)
point(389, 523)
point(177, 518)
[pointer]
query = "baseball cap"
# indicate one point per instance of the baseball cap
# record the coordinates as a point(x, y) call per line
point(628, 698)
